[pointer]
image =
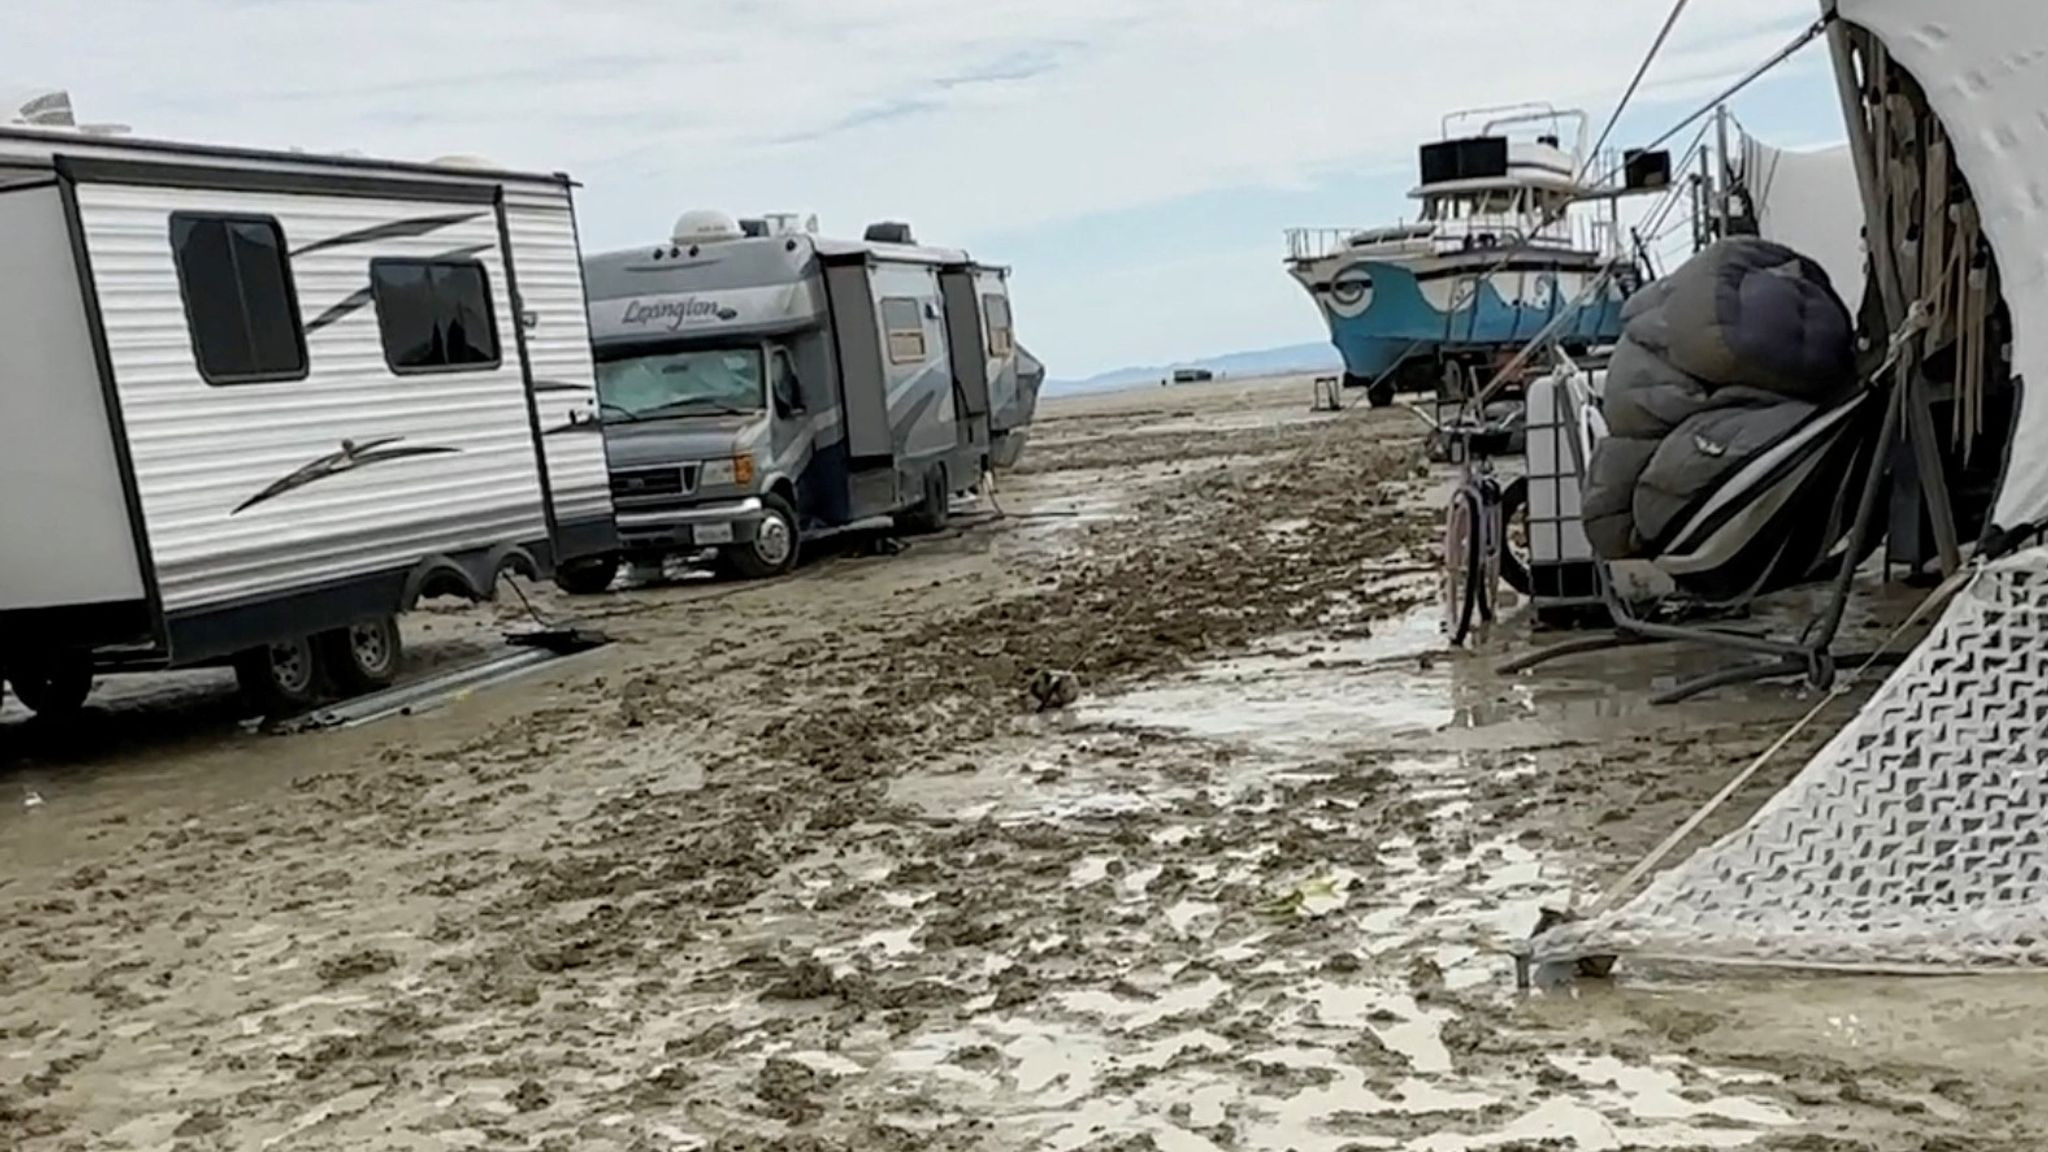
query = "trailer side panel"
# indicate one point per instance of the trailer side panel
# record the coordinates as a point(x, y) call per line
point(65, 535)
point(329, 482)
point(556, 317)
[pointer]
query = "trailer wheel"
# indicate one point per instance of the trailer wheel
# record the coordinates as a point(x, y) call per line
point(932, 512)
point(55, 685)
point(1381, 393)
point(282, 678)
point(773, 550)
point(589, 576)
point(362, 657)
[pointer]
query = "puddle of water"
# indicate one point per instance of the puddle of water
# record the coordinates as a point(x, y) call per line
point(1133, 1015)
point(1585, 1129)
point(1182, 916)
point(1295, 704)
point(1654, 1093)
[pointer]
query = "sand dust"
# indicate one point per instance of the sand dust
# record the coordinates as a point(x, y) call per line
point(803, 866)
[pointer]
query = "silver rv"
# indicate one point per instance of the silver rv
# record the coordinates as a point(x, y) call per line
point(255, 404)
point(760, 384)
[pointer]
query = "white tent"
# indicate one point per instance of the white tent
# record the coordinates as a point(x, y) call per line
point(1918, 837)
point(1807, 201)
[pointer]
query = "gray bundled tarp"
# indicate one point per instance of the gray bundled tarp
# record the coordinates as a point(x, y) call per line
point(1717, 361)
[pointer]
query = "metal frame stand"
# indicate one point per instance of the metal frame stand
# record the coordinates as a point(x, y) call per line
point(1812, 655)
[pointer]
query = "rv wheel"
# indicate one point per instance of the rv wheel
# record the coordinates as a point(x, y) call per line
point(52, 686)
point(773, 550)
point(932, 512)
point(281, 678)
point(362, 657)
point(1381, 393)
point(590, 576)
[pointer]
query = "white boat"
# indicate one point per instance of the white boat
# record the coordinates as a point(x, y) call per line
point(1505, 244)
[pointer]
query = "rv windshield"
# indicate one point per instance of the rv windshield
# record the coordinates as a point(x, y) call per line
point(705, 381)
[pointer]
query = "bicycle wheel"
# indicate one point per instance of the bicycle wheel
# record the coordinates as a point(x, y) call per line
point(1463, 561)
point(1514, 563)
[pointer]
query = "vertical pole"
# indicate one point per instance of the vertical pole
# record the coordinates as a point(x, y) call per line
point(1726, 183)
point(1702, 204)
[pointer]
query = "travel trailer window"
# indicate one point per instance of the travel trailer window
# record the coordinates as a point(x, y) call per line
point(1000, 340)
point(903, 319)
point(701, 382)
point(435, 315)
point(239, 304)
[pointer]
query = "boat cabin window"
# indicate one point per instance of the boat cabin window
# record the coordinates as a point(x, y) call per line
point(697, 382)
point(435, 315)
point(903, 322)
point(240, 306)
point(1002, 341)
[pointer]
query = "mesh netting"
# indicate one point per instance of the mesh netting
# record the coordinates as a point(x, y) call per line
point(1917, 838)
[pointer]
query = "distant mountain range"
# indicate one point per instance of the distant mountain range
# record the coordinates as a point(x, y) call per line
point(1264, 362)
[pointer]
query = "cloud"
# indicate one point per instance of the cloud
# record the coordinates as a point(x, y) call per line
point(994, 121)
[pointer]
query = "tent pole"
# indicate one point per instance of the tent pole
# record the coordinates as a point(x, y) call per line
point(1726, 182)
point(1866, 512)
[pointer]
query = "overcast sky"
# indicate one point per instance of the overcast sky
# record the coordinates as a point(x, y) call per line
point(1134, 161)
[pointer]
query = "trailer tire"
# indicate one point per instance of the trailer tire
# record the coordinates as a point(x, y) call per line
point(56, 686)
point(774, 549)
point(282, 678)
point(588, 575)
point(363, 657)
point(1380, 394)
point(933, 510)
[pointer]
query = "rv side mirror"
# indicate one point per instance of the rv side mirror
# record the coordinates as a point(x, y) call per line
point(789, 399)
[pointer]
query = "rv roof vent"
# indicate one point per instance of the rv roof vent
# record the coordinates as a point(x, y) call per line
point(705, 226)
point(888, 232)
point(463, 160)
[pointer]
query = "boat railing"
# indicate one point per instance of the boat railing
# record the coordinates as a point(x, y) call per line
point(1504, 229)
point(1316, 243)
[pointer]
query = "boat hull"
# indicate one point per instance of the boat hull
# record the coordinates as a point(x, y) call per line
point(1385, 313)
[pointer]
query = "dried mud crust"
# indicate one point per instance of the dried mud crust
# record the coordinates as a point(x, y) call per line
point(802, 868)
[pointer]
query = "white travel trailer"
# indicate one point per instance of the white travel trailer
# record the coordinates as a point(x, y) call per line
point(255, 404)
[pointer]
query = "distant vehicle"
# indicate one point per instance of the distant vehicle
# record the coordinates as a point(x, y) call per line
point(761, 384)
point(256, 404)
point(1191, 376)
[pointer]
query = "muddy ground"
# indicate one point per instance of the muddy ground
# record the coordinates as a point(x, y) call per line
point(803, 866)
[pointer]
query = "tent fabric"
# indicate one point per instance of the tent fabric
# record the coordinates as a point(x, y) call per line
point(1808, 200)
point(1984, 68)
point(1719, 360)
point(1916, 838)
point(1913, 840)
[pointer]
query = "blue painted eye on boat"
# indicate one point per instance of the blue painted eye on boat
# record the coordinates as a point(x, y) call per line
point(1351, 291)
